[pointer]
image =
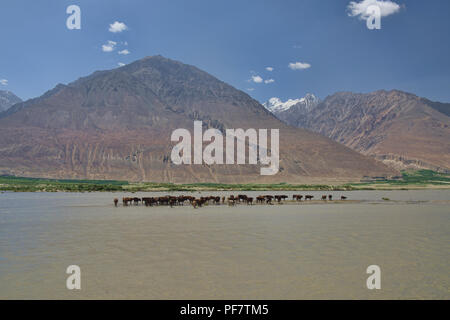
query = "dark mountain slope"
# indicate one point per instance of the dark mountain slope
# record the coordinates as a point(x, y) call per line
point(399, 128)
point(117, 124)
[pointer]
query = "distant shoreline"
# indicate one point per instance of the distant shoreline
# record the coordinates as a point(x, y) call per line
point(418, 180)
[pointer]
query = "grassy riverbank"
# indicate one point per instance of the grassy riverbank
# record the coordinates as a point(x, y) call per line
point(422, 179)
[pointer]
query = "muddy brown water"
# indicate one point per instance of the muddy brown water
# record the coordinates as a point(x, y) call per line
point(318, 251)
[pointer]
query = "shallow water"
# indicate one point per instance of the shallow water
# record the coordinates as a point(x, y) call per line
point(318, 251)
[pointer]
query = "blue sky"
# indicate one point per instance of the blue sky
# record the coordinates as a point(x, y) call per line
point(233, 40)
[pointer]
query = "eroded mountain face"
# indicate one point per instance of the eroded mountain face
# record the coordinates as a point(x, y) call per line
point(117, 124)
point(398, 128)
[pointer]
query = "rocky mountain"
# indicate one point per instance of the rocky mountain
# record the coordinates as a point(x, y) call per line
point(7, 99)
point(398, 128)
point(117, 124)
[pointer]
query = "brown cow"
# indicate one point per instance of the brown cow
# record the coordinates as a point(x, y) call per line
point(126, 201)
point(269, 199)
point(148, 201)
point(116, 201)
point(241, 197)
point(260, 199)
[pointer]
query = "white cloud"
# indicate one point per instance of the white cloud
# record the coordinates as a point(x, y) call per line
point(3, 82)
point(269, 81)
point(117, 27)
point(387, 8)
point(124, 51)
point(257, 79)
point(110, 46)
point(299, 65)
point(121, 64)
point(269, 69)
point(250, 89)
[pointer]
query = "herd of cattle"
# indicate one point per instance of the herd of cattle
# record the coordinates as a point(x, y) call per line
point(214, 200)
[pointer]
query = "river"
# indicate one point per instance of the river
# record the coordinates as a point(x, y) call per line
point(305, 251)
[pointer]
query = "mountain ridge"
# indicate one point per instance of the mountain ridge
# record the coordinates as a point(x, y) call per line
point(399, 128)
point(116, 124)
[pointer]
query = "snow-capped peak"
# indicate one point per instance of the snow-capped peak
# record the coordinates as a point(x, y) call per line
point(7, 99)
point(276, 105)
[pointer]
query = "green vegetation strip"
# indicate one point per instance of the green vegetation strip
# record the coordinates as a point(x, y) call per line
point(413, 178)
point(421, 178)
